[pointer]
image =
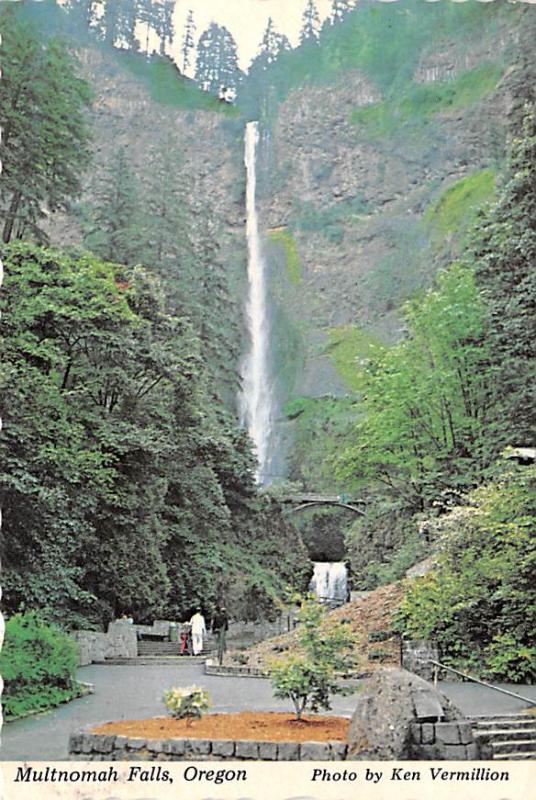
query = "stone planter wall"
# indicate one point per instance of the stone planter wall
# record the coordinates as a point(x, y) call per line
point(100, 747)
point(430, 741)
point(443, 741)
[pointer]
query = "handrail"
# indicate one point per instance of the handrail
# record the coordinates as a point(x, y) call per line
point(482, 683)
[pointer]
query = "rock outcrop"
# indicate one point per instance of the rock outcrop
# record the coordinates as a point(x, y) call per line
point(400, 716)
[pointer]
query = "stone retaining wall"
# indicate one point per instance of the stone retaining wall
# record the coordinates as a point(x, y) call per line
point(416, 655)
point(443, 741)
point(100, 747)
point(119, 642)
point(225, 670)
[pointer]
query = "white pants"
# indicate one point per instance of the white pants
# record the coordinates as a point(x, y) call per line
point(197, 643)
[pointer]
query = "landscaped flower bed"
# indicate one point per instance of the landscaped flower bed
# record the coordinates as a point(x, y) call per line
point(267, 736)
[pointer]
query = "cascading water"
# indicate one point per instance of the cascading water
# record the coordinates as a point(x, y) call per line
point(330, 582)
point(256, 397)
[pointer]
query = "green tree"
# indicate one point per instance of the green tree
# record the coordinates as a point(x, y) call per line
point(164, 24)
point(505, 254)
point(45, 141)
point(125, 486)
point(188, 41)
point(217, 68)
point(310, 23)
point(426, 400)
point(309, 678)
point(127, 16)
point(114, 230)
point(84, 10)
point(272, 45)
point(52, 470)
point(167, 223)
point(479, 603)
point(339, 10)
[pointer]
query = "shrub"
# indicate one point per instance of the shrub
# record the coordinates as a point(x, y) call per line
point(38, 663)
point(308, 678)
point(478, 604)
point(187, 703)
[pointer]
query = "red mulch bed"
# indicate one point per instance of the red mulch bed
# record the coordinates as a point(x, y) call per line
point(261, 726)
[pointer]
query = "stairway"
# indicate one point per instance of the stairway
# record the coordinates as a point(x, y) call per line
point(506, 737)
point(162, 648)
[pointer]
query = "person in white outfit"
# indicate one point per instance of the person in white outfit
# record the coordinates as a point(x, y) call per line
point(198, 629)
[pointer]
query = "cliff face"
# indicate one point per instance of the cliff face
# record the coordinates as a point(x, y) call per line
point(365, 191)
point(124, 114)
point(356, 183)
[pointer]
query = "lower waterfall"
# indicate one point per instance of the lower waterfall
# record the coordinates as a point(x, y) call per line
point(330, 582)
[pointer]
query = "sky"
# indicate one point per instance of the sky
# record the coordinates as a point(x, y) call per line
point(246, 20)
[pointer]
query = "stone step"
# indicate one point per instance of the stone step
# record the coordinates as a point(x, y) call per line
point(145, 661)
point(517, 756)
point(163, 648)
point(160, 648)
point(514, 746)
point(500, 717)
point(510, 723)
point(506, 734)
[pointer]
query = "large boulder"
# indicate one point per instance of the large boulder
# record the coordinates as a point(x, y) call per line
point(401, 716)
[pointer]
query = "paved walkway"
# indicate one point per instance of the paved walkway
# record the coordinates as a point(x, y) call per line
point(135, 692)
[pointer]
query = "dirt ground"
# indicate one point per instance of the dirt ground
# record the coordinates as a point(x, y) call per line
point(370, 618)
point(256, 725)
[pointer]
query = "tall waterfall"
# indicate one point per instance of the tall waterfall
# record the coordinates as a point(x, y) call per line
point(256, 397)
point(330, 581)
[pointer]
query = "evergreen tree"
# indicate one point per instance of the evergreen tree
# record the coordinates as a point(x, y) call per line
point(339, 10)
point(147, 14)
point(505, 250)
point(188, 41)
point(163, 23)
point(229, 69)
point(212, 307)
point(109, 21)
point(127, 16)
point(217, 68)
point(272, 44)
point(45, 141)
point(167, 223)
point(115, 232)
point(310, 23)
point(85, 10)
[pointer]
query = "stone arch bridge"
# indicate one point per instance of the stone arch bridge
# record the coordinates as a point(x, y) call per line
point(299, 502)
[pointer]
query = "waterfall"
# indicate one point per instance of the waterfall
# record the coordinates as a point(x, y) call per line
point(256, 398)
point(330, 582)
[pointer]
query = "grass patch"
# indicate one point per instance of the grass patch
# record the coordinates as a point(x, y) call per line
point(39, 699)
point(327, 221)
point(458, 205)
point(168, 86)
point(348, 348)
point(283, 237)
point(421, 101)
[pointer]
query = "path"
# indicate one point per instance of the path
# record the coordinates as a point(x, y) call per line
point(135, 692)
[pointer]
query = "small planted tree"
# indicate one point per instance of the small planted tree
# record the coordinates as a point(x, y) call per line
point(309, 677)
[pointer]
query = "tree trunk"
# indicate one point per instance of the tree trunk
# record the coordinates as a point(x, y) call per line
point(11, 216)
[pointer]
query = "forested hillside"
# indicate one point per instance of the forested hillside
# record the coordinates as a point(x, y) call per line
point(126, 484)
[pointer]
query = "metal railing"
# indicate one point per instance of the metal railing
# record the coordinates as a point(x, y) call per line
point(437, 666)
